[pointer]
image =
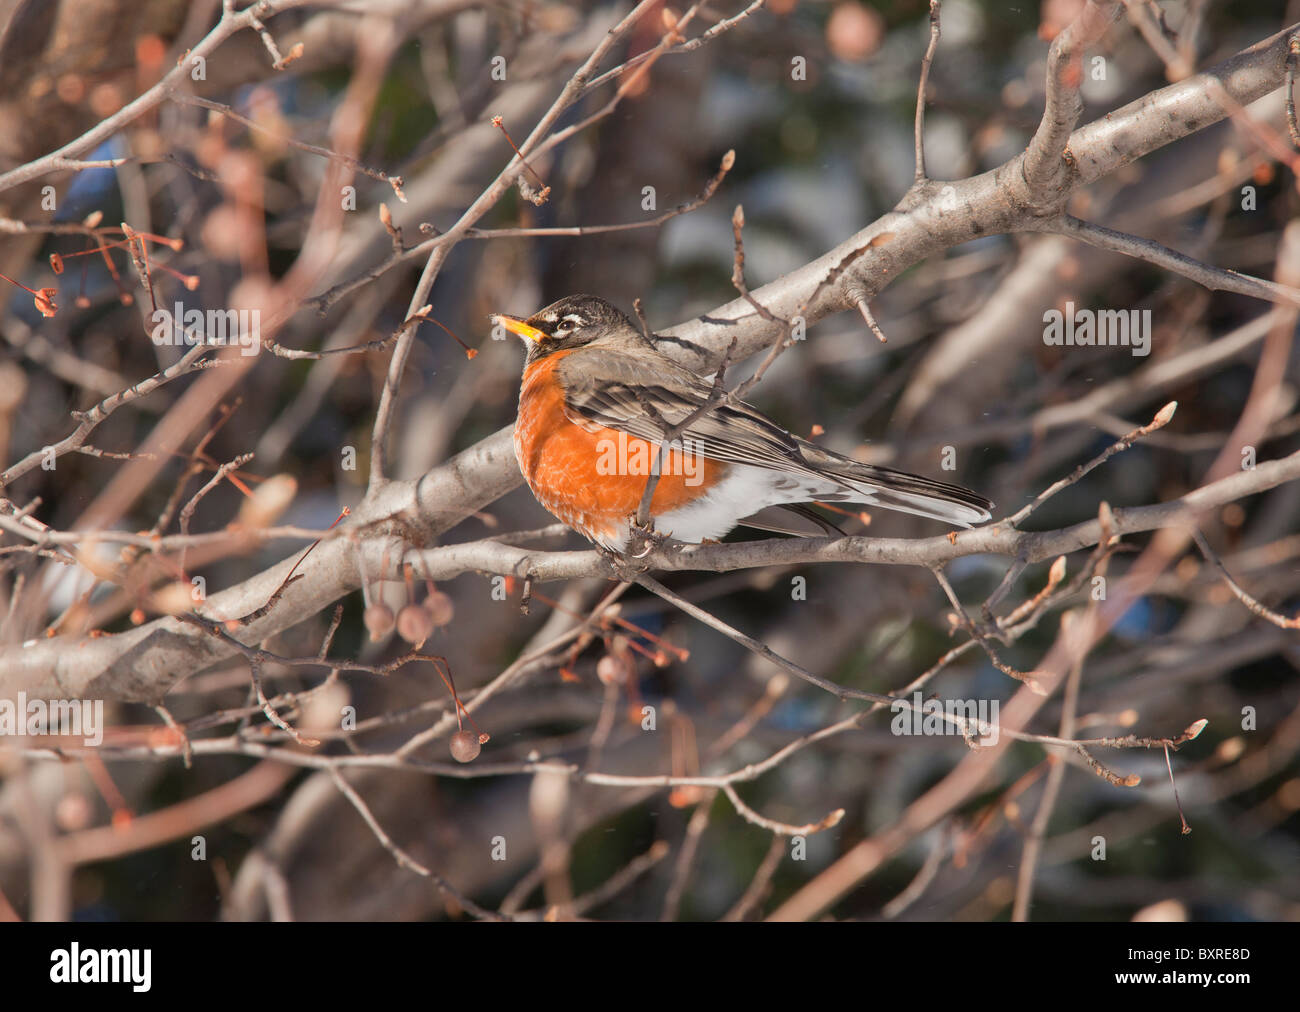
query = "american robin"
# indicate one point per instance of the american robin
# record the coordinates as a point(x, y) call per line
point(594, 406)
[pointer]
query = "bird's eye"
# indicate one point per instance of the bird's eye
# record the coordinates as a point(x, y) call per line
point(568, 324)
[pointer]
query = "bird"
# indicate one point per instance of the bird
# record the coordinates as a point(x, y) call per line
point(596, 400)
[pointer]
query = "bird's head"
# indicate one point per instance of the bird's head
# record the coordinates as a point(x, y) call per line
point(572, 322)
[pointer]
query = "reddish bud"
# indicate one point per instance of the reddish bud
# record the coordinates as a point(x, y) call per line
point(613, 670)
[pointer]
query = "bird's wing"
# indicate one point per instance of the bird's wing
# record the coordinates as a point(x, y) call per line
point(626, 392)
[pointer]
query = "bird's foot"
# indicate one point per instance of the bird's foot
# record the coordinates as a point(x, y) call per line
point(625, 566)
point(644, 538)
point(643, 541)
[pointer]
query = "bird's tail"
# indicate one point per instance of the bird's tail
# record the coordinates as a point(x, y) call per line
point(898, 490)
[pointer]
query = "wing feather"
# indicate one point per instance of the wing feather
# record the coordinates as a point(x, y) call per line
point(611, 388)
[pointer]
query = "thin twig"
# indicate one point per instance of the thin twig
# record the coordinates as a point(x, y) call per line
point(865, 310)
point(1162, 418)
point(920, 93)
point(1216, 279)
point(402, 857)
point(1253, 604)
point(781, 828)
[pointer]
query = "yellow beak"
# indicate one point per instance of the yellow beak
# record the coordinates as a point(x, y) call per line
point(519, 327)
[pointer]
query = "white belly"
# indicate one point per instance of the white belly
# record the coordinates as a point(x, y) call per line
point(743, 491)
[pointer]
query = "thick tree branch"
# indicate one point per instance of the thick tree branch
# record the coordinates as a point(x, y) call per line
point(145, 663)
point(994, 539)
point(1046, 165)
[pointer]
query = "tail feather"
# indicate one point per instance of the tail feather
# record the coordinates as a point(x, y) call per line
point(959, 513)
point(898, 490)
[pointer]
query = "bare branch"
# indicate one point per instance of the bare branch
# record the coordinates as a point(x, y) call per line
point(1047, 162)
point(231, 22)
point(1163, 417)
point(1216, 279)
point(1256, 608)
point(926, 60)
point(402, 857)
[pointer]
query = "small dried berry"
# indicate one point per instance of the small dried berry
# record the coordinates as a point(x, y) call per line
point(379, 621)
point(465, 746)
point(440, 608)
point(414, 624)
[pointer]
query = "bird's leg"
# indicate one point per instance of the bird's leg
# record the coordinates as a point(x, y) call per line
point(644, 538)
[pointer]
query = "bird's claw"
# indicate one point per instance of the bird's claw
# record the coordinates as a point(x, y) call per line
point(645, 533)
point(643, 541)
point(622, 563)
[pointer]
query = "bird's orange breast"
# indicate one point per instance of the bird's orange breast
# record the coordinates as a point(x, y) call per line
point(590, 476)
